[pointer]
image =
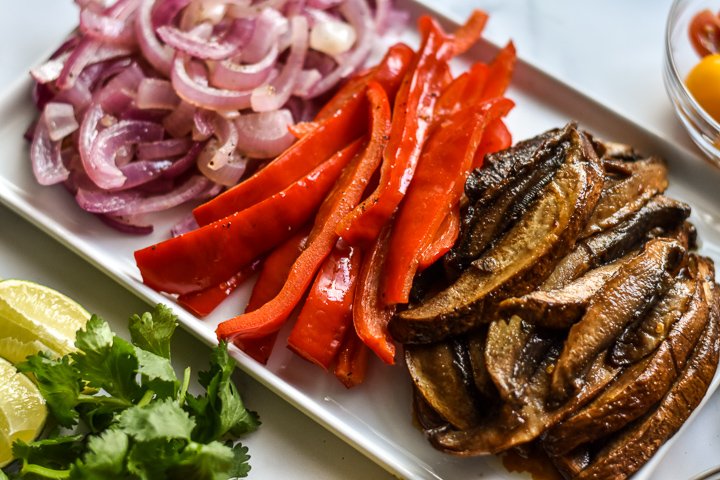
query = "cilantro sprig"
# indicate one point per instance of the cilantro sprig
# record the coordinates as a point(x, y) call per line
point(141, 422)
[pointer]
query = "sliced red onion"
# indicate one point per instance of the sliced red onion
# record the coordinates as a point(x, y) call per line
point(179, 122)
point(60, 120)
point(306, 81)
point(203, 126)
point(101, 168)
point(358, 14)
point(227, 175)
point(126, 224)
point(88, 131)
point(99, 201)
point(46, 158)
point(163, 148)
point(160, 56)
point(324, 4)
point(143, 171)
point(107, 29)
point(184, 163)
point(227, 140)
point(269, 25)
point(163, 13)
point(264, 135)
point(87, 52)
point(234, 76)
point(156, 93)
point(203, 95)
point(332, 37)
point(187, 224)
point(201, 47)
point(275, 94)
point(50, 70)
point(190, 189)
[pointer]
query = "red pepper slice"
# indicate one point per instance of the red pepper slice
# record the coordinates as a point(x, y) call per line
point(370, 314)
point(213, 253)
point(352, 362)
point(270, 281)
point(466, 36)
point(203, 302)
point(443, 241)
point(339, 123)
point(345, 197)
point(412, 114)
point(496, 137)
point(500, 74)
point(326, 314)
point(436, 188)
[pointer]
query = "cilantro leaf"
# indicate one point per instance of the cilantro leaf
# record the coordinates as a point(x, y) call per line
point(106, 361)
point(221, 410)
point(241, 462)
point(162, 419)
point(152, 459)
point(105, 457)
point(157, 373)
point(152, 331)
point(55, 453)
point(60, 384)
point(211, 461)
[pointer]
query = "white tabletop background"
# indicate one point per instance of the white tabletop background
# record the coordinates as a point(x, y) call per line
point(611, 50)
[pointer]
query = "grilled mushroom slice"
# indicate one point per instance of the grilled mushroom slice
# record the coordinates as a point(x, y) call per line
point(640, 386)
point(521, 259)
point(634, 446)
point(631, 291)
point(606, 246)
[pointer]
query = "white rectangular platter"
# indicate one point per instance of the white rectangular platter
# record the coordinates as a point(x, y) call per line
point(375, 417)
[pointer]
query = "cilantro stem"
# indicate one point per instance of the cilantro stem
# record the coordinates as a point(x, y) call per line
point(103, 399)
point(44, 471)
point(185, 385)
point(146, 398)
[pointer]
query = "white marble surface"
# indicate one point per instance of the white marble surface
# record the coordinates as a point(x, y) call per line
point(610, 50)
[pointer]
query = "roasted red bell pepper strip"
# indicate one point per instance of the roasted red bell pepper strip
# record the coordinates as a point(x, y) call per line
point(412, 113)
point(370, 314)
point(443, 240)
point(496, 137)
point(500, 74)
point(203, 302)
point(389, 74)
point(346, 195)
point(270, 281)
point(352, 362)
point(342, 122)
point(463, 90)
point(213, 253)
point(326, 314)
point(436, 188)
point(465, 37)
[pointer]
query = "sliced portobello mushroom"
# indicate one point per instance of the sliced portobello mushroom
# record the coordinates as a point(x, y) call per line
point(628, 295)
point(438, 378)
point(633, 446)
point(606, 246)
point(639, 387)
point(643, 180)
point(497, 204)
point(520, 260)
point(562, 307)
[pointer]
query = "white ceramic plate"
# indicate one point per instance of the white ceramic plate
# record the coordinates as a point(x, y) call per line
point(376, 416)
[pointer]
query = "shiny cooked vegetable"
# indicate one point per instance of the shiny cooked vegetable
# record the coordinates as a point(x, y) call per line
point(347, 277)
point(155, 103)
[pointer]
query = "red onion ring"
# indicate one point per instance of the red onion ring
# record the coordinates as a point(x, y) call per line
point(156, 93)
point(45, 156)
point(274, 95)
point(234, 76)
point(264, 135)
point(203, 95)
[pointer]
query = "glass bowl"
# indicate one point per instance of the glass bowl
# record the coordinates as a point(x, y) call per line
point(680, 58)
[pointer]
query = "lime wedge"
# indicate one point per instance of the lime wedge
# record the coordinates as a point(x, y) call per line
point(30, 312)
point(15, 351)
point(22, 409)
